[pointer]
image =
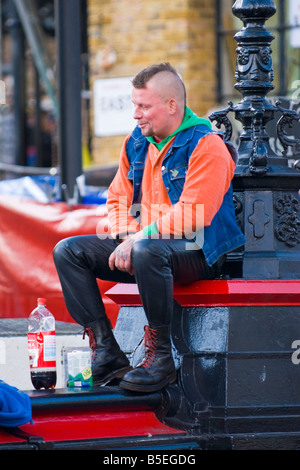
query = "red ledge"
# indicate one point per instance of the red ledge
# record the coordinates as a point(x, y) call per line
point(219, 293)
point(62, 426)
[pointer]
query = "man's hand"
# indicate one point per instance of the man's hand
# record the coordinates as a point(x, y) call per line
point(121, 256)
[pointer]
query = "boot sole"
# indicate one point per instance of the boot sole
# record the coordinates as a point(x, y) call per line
point(148, 388)
point(117, 374)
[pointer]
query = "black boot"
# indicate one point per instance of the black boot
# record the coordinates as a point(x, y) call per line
point(157, 369)
point(108, 361)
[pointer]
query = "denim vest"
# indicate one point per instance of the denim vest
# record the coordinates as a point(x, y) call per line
point(223, 234)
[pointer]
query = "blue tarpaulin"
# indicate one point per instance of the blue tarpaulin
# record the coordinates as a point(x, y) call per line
point(47, 188)
point(15, 406)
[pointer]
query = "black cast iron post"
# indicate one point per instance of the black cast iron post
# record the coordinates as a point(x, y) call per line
point(69, 94)
point(254, 75)
point(266, 186)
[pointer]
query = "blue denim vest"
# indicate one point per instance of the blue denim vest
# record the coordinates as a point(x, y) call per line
point(223, 235)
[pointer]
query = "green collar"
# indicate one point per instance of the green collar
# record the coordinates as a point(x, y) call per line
point(190, 119)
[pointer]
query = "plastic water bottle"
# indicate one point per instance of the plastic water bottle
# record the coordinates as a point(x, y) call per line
point(42, 346)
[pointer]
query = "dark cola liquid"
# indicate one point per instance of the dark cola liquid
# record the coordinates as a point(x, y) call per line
point(45, 380)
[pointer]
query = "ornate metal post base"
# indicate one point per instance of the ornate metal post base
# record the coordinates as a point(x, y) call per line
point(238, 379)
point(266, 188)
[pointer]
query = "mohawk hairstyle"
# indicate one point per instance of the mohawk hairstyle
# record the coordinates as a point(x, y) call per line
point(141, 79)
point(144, 75)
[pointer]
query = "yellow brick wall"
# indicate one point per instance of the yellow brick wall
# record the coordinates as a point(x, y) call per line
point(138, 33)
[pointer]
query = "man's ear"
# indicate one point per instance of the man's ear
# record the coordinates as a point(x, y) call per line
point(173, 106)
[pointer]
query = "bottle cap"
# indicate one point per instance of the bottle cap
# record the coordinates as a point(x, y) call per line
point(41, 301)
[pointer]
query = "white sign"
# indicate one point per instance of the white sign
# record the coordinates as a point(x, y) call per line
point(113, 108)
point(294, 20)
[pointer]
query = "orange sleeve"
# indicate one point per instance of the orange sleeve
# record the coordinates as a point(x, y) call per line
point(208, 178)
point(119, 200)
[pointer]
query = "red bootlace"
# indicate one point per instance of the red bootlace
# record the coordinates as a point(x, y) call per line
point(150, 345)
point(92, 341)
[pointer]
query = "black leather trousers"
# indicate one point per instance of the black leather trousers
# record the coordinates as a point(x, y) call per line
point(158, 264)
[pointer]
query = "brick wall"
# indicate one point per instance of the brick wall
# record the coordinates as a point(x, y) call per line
point(127, 35)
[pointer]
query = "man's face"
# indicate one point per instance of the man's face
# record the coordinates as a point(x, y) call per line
point(151, 112)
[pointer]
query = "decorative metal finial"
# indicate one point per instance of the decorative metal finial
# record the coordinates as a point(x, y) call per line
point(254, 76)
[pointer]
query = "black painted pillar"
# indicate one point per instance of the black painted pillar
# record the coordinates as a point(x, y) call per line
point(68, 24)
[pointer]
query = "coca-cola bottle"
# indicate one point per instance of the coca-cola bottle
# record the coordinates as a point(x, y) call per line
point(42, 346)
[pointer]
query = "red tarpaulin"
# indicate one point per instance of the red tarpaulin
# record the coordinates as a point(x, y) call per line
point(29, 232)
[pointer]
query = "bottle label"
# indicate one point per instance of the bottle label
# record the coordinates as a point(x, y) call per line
point(42, 349)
